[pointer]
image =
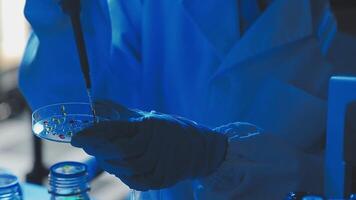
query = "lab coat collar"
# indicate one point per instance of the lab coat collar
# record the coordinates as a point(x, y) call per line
point(283, 22)
point(217, 20)
point(104, 9)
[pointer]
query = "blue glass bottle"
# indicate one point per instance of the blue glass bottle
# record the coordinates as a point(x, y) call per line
point(303, 196)
point(9, 187)
point(69, 181)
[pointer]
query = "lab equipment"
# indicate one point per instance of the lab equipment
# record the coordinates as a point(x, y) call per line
point(197, 64)
point(136, 195)
point(9, 187)
point(151, 151)
point(340, 164)
point(313, 197)
point(352, 196)
point(72, 8)
point(295, 195)
point(59, 122)
point(303, 196)
point(68, 180)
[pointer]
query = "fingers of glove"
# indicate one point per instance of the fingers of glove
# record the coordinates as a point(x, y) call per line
point(104, 131)
point(103, 143)
point(142, 182)
point(137, 145)
point(104, 150)
point(172, 168)
point(123, 147)
point(92, 135)
point(147, 160)
point(98, 147)
point(147, 182)
point(133, 159)
point(166, 174)
point(173, 164)
point(125, 168)
point(133, 184)
point(116, 169)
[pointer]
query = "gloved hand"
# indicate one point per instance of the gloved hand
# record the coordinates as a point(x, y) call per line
point(153, 150)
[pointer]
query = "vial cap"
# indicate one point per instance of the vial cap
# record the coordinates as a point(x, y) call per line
point(312, 197)
point(7, 181)
point(68, 170)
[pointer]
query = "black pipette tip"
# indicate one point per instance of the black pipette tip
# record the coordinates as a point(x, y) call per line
point(72, 8)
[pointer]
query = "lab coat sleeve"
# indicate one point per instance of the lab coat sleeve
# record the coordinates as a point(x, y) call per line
point(126, 53)
point(259, 165)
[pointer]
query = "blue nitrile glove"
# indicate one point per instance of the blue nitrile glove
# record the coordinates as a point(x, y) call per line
point(153, 150)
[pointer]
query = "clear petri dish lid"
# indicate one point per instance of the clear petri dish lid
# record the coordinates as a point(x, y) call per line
point(59, 122)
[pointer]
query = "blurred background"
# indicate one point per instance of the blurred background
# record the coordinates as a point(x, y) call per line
point(29, 157)
point(20, 152)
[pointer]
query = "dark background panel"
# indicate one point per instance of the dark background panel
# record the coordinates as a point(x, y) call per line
point(345, 11)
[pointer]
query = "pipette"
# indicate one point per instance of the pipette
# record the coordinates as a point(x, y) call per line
point(72, 8)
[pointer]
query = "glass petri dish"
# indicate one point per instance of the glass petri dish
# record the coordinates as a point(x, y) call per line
point(59, 122)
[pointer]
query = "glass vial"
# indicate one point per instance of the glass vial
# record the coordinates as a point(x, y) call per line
point(303, 196)
point(69, 181)
point(9, 187)
point(135, 195)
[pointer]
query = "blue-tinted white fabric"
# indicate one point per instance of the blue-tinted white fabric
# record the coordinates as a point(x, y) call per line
point(189, 58)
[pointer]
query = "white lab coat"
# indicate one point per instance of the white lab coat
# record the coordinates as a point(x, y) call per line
point(188, 57)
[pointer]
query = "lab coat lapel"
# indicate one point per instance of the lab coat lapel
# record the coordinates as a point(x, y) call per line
point(217, 20)
point(284, 22)
point(104, 7)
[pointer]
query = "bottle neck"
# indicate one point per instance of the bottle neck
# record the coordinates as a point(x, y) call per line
point(68, 181)
point(69, 188)
point(10, 191)
point(83, 196)
point(11, 194)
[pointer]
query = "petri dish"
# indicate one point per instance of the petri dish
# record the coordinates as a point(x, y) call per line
point(59, 122)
